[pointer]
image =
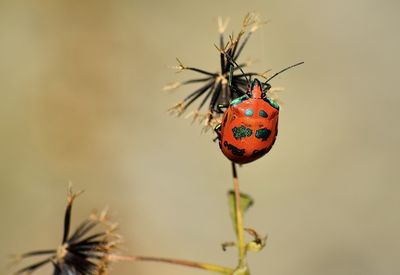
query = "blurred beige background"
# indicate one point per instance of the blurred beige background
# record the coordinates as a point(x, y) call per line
point(81, 101)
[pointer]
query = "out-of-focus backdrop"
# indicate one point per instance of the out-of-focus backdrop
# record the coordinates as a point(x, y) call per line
point(81, 101)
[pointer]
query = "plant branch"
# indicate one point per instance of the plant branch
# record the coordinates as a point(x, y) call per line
point(205, 266)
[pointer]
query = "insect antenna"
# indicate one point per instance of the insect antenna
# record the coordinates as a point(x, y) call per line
point(233, 62)
point(287, 68)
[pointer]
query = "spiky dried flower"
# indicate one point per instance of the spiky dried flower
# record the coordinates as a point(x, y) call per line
point(84, 252)
point(216, 89)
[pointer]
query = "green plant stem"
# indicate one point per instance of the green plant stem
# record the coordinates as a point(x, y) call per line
point(205, 266)
point(239, 218)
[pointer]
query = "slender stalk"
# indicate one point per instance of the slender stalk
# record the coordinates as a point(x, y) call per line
point(205, 266)
point(239, 218)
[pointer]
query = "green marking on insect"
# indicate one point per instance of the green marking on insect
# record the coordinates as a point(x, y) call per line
point(272, 102)
point(263, 133)
point(263, 113)
point(241, 132)
point(249, 112)
point(239, 100)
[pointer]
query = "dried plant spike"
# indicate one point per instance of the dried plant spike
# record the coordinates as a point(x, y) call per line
point(196, 116)
point(177, 109)
point(103, 214)
point(71, 195)
point(172, 86)
point(222, 24)
point(67, 219)
point(257, 23)
point(249, 19)
point(180, 66)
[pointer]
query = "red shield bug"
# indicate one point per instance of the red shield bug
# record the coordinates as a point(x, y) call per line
point(250, 123)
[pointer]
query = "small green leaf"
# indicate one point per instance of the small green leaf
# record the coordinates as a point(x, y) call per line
point(245, 202)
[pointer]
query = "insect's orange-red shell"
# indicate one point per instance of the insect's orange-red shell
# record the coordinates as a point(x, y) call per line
point(249, 128)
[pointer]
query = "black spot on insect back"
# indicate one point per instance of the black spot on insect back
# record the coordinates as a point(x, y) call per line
point(260, 153)
point(236, 151)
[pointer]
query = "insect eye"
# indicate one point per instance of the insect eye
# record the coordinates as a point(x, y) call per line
point(267, 86)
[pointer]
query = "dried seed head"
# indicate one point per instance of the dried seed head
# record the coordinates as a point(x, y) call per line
point(86, 251)
point(215, 89)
